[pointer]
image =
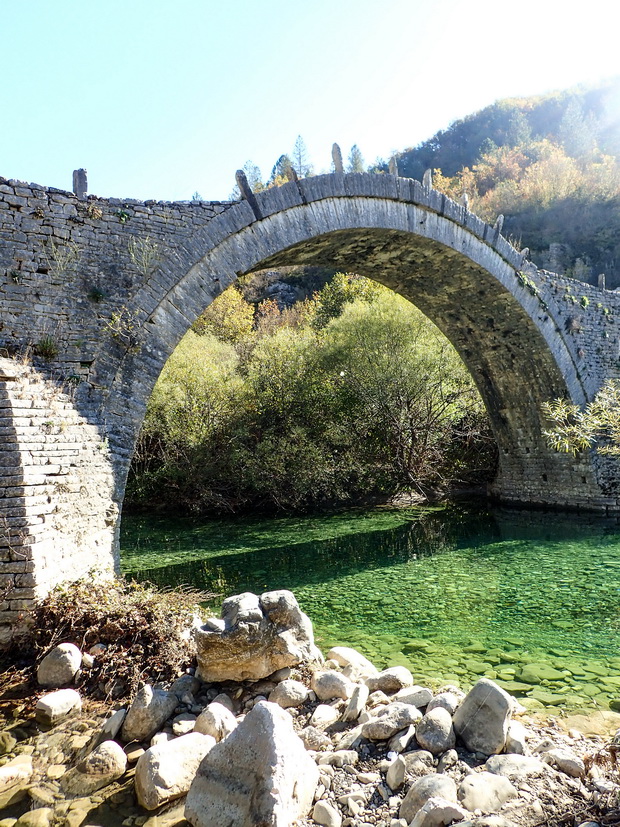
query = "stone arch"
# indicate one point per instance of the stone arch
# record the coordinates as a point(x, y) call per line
point(468, 283)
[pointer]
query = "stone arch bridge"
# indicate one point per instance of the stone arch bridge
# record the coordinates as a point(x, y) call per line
point(95, 295)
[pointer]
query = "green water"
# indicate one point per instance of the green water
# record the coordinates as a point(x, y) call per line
point(530, 599)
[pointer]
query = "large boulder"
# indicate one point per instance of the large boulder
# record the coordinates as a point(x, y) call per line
point(57, 705)
point(256, 637)
point(150, 709)
point(481, 721)
point(165, 772)
point(60, 666)
point(104, 764)
point(260, 774)
point(435, 732)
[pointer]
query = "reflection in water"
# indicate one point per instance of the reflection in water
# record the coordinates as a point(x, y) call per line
point(451, 592)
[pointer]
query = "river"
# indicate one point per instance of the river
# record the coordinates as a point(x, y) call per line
point(454, 592)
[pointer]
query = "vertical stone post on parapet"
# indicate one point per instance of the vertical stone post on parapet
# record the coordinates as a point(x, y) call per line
point(601, 281)
point(393, 166)
point(337, 158)
point(80, 183)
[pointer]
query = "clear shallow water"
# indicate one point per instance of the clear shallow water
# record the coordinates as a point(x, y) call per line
point(530, 599)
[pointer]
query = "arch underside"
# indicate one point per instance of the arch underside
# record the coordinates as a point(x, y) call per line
point(502, 347)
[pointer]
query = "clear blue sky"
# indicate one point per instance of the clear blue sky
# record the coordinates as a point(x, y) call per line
point(160, 98)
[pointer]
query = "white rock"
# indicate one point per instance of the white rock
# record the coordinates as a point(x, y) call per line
point(435, 732)
point(326, 814)
point(419, 696)
point(565, 761)
point(424, 788)
point(481, 721)
point(16, 770)
point(419, 762)
point(446, 700)
point(391, 719)
point(183, 723)
point(167, 770)
point(215, 720)
point(485, 791)
point(345, 656)
point(516, 738)
point(339, 758)
point(357, 703)
point(289, 693)
point(260, 774)
point(150, 709)
point(324, 716)
point(437, 812)
point(402, 739)
point(111, 726)
point(515, 766)
point(330, 684)
point(161, 738)
point(54, 706)
point(390, 680)
point(396, 774)
point(59, 666)
point(260, 635)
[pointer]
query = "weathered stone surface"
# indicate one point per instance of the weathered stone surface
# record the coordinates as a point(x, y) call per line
point(357, 702)
point(260, 774)
point(390, 680)
point(323, 716)
point(435, 732)
point(516, 738)
point(149, 711)
point(481, 721)
point(565, 761)
point(14, 772)
point(485, 791)
point(289, 693)
point(396, 774)
point(330, 684)
point(326, 814)
point(446, 700)
point(390, 720)
point(166, 771)
point(59, 666)
point(215, 720)
point(438, 812)
point(424, 788)
point(419, 696)
point(345, 656)
point(104, 764)
point(41, 817)
point(515, 766)
point(260, 635)
point(54, 706)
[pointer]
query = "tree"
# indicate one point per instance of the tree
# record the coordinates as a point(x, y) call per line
point(229, 317)
point(299, 159)
point(356, 160)
point(597, 425)
point(281, 168)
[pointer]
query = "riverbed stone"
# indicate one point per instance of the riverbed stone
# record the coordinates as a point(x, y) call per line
point(166, 771)
point(438, 812)
point(323, 716)
point(55, 706)
point(485, 791)
point(260, 635)
point(357, 702)
point(434, 732)
point(391, 719)
point(516, 738)
point(422, 789)
point(326, 814)
point(289, 693)
point(345, 656)
point(481, 721)
point(150, 709)
point(60, 666)
point(260, 774)
point(330, 684)
point(104, 764)
point(390, 680)
point(446, 700)
point(419, 696)
point(215, 720)
point(14, 780)
point(565, 761)
point(515, 767)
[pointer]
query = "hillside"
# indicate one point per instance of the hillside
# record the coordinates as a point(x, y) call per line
point(549, 164)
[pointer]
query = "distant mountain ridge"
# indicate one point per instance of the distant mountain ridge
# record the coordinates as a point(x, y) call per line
point(550, 164)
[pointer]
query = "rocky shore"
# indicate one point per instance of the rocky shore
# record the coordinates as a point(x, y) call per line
point(265, 732)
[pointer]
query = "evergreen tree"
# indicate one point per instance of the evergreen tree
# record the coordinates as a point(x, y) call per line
point(356, 160)
point(300, 161)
